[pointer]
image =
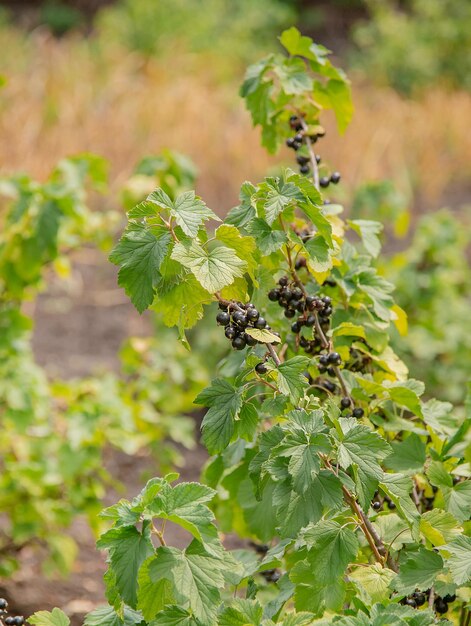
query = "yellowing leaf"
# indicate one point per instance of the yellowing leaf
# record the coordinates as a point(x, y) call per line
point(400, 319)
point(263, 335)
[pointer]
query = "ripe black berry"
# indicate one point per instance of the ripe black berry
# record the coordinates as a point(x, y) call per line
point(324, 181)
point(449, 598)
point(223, 306)
point(440, 606)
point(240, 319)
point(302, 160)
point(410, 602)
point(419, 598)
point(324, 359)
point(335, 358)
point(318, 158)
point(310, 320)
point(358, 412)
point(250, 341)
point(309, 301)
point(326, 311)
point(286, 294)
point(9, 621)
point(299, 305)
point(230, 332)
point(326, 300)
point(274, 295)
point(301, 262)
point(283, 281)
point(391, 505)
point(304, 169)
point(261, 368)
point(290, 142)
point(329, 386)
point(303, 342)
point(239, 343)
point(290, 313)
point(377, 506)
point(345, 403)
point(260, 323)
point(335, 178)
point(252, 314)
point(331, 371)
point(299, 137)
point(223, 318)
point(295, 123)
point(297, 293)
point(295, 327)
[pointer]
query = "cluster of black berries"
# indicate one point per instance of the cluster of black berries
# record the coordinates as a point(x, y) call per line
point(419, 598)
point(324, 181)
point(236, 317)
point(379, 501)
point(9, 620)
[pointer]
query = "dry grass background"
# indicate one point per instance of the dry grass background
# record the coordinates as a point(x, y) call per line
point(68, 96)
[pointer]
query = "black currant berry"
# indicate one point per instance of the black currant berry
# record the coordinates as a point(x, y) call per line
point(318, 158)
point(289, 313)
point(345, 403)
point(299, 137)
point(419, 598)
point(326, 300)
point(260, 323)
point(335, 358)
point(310, 301)
point(302, 160)
point(310, 321)
point(250, 341)
point(331, 371)
point(410, 602)
point(303, 342)
point(299, 306)
point(335, 177)
point(329, 386)
point(324, 359)
point(391, 505)
point(304, 169)
point(358, 412)
point(290, 142)
point(324, 181)
point(240, 319)
point(9, 621)
point(3, 604)
point(274, 295)
point(449, 598)
point(261, 368)
point(252, 314)
point(377, 506)
point(283, 281)
point(223, 306)
point(19, 620)
point(295, 123)
point(441, 606)
point(301, 262)
point(230, 332)
point(223, 318)
point(326, 312)
point(297, 293)
point(286, 294)
point(295, 327)
point(239, 343)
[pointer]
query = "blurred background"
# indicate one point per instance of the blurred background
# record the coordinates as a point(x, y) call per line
point(129, 79)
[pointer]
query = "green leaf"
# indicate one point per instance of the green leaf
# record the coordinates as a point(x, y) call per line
point(299, 45)
point(372, 582)
point(293, 77)
point(368, 231)
point(418, 570)
point(268, 240)
point(332, 548)
point(278, 195)
point(341, 101)
point(213, 269)
point(175, 616)
point(460, 560)
point(408, 456)
point(244, 213)
point(241, 613)
point(398, 487)
point(458, 500)
point(181, 303)
point(224, 402)
point(140, 253)
point(128, 549)
point(290, 379)
point(364, 448)
point(245, 247)
point(319, 254)
point(152, 596)
point(439, 527)
point(45, 618)
point(195, 575)
point(189, 211)
point(107, 616)
point(262, 335)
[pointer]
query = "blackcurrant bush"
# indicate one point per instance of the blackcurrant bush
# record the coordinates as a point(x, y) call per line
point(324, 181)
point(260, 323)
point(358, 412)
point(223, 318)
point(377, 506)
point(295, 327)
point(261, 368)
point(283, 281)
point(252, 314)
point(250, 341)
point(345, 403)
point(274, 295)
point(335, 358)
point(230, 332)
point(441, 606)
point(419, 598)
point(239, 343)
point(304, 169)
point(335, 178)
point(240, 319)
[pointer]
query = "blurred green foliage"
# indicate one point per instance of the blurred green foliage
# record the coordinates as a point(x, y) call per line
point(415, 44)
point(433, 286)
point(60, 18)
point(232, 31)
